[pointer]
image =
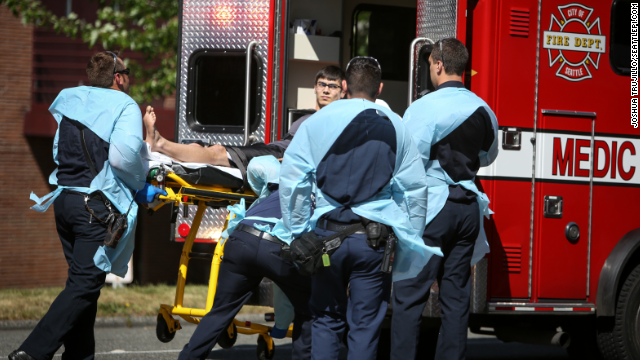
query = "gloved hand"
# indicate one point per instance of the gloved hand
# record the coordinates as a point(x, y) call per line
point(148, 193)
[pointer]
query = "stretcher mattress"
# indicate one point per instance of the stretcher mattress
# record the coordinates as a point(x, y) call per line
point(208, 175)
point(195, 173)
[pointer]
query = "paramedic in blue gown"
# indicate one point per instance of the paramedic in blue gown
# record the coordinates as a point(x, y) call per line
point(355, 158)
point(112, 126)
point(456, 133)
point(249, 255)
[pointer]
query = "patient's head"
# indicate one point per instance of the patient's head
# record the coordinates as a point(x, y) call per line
point(328, 86)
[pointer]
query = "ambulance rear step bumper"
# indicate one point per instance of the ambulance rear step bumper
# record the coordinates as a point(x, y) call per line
point(541, 308)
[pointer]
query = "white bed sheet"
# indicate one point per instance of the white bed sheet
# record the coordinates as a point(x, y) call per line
point(152, 159)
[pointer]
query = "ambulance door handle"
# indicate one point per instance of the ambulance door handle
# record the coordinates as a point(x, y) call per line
point(247, 91)
point(511, 139)
point(412, 69)
point(553, 207)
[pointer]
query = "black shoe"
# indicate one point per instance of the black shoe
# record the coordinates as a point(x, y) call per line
point(20, 355)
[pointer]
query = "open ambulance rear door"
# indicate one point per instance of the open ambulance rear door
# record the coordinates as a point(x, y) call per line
point(226, 93)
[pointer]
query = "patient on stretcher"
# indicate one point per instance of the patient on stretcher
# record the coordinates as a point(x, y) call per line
point(215, 154)
point(193, 162)
point(327, 88)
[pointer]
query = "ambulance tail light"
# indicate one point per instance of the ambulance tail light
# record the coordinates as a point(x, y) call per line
point(183, 230)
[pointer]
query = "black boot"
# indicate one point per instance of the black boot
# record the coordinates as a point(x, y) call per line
point(20, 355)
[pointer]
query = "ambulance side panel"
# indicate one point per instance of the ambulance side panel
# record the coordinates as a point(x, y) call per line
point(495, 33)
point(589, 158)
point(569, 111)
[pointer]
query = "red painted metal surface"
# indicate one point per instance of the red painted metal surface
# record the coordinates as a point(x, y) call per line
point(270, 59)
point(284, 29)
point(502, 38)
point(508, 234)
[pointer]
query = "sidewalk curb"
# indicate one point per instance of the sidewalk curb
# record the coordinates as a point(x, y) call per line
point(120, 321)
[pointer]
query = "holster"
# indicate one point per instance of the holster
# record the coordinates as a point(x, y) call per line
point(377, 233)
point(116, 225)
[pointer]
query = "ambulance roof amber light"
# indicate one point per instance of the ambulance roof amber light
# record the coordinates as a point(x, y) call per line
point(225, 15)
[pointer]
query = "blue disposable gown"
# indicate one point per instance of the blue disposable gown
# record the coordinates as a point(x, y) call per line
point(114, 117)
point(261, 171)
point(401, 204)
point(430, 120)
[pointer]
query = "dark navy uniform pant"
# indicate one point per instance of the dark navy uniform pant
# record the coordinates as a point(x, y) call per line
point(247, 259)
point(357, 266)
point(455, 229)
point(71, 317)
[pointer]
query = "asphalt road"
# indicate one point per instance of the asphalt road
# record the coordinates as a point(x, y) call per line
point(119, 343)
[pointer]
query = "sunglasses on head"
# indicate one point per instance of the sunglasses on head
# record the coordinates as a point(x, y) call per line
point(365, 57)
point(115, 61)
point(441, 52)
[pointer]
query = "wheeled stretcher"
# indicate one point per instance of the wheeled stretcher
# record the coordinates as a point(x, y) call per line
point(203, 187)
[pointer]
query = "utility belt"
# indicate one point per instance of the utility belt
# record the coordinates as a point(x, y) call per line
point(260, 234)
point(310, 252)
point(115, 221)
point(284, 247)
point(377, 233)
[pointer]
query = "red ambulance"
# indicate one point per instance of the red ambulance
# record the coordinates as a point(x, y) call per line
point(564, 267)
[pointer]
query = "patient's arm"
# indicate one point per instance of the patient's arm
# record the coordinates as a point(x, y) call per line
point(214, 155)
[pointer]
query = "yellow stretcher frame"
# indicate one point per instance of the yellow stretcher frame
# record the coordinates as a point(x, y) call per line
point(189, 194)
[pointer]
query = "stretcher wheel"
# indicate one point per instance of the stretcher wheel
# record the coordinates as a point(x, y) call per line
point(162, 330)
point(263, 352)
point(225, 341)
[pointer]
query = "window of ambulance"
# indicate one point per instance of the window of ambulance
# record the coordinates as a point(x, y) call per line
point(385, 33)
point(216, 91)
point(620, 44)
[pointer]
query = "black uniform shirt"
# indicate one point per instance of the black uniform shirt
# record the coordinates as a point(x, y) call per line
point(359, 163)
point(458, 152)
point(73, 169)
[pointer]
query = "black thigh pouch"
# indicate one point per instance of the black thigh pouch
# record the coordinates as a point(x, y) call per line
point(307, 251)
point(115, 222)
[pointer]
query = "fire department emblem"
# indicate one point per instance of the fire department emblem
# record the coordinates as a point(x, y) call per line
point(574, 42)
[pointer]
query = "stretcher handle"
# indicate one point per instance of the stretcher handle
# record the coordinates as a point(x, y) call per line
point(247, 92)
point(412, 67)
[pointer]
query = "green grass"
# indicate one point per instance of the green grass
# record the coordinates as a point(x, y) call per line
point(25, 304)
